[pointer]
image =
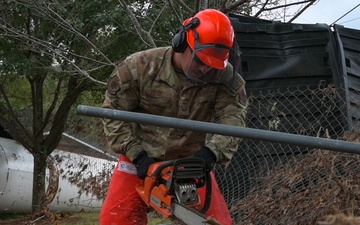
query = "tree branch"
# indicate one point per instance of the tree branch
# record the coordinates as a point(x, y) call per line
point(68, 26)
point(158, 16)
point(223, 5)
point(186, 7)
point(311, 2)
point(290, 4)
point(171, 3)
point(137, 25)
point(262, 9)
point(197, 6)
point(53, 49)
point(75, 88)
point(53, 103)
point(234, 5)
point(10, 121)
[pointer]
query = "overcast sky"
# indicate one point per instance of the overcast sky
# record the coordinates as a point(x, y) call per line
point(328, 11)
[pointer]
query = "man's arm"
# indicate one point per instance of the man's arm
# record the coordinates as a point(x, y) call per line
point(230, 109)
point(122, 94)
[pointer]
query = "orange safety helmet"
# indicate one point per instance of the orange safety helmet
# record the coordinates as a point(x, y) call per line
point(206, 39)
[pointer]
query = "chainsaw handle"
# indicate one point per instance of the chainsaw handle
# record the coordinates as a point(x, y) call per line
point(160, 168)
point(208, 192)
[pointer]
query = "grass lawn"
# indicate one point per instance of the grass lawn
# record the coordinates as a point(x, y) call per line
point(83, 218)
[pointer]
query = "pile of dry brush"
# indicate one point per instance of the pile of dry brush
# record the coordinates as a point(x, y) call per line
point(321, 187)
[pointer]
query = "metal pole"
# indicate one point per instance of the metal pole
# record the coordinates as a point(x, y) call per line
point(214, 128)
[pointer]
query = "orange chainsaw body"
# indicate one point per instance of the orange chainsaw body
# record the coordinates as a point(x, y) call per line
point(156, 191)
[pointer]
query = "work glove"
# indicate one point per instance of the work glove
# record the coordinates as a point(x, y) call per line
point(143, 162)
point(208, 156)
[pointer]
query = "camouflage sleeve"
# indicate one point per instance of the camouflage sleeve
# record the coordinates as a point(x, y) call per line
point(123, 94)
point(230, 109)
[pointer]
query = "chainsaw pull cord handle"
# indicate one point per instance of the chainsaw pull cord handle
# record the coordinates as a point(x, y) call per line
point(207, 193)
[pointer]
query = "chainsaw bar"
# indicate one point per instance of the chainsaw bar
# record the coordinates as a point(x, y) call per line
point(190, 216)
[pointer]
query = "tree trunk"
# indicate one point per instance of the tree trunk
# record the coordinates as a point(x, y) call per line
point(39, 196)
point(44, 147)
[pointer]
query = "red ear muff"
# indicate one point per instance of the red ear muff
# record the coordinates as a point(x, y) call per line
point(179, 40)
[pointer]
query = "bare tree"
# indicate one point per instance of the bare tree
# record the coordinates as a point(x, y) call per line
point(283, 10)
point(45, 48)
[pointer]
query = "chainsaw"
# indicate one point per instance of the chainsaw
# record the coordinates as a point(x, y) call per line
point(171, 189)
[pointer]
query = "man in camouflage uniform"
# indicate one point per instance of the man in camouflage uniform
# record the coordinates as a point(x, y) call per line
point(192, 80)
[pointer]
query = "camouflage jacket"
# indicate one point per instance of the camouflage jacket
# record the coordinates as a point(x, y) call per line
point(146, 82)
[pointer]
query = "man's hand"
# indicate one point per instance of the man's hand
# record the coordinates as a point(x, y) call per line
point(143, 162)
point(208, 156)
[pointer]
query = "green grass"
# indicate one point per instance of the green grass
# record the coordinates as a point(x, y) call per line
point(9, 216)
point(156, 221)
point(93, 219)
point(82, 219)
point(77, 218)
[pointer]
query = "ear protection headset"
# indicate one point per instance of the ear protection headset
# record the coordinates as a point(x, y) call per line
point(179, 42)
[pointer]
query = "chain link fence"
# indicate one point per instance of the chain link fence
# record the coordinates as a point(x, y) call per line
point(272, 183)
point(302, 79)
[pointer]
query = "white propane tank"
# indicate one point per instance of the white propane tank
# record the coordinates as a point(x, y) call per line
point(16, 178)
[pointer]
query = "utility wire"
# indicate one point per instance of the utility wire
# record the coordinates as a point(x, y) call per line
point(349, 20)
point(344, 15)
